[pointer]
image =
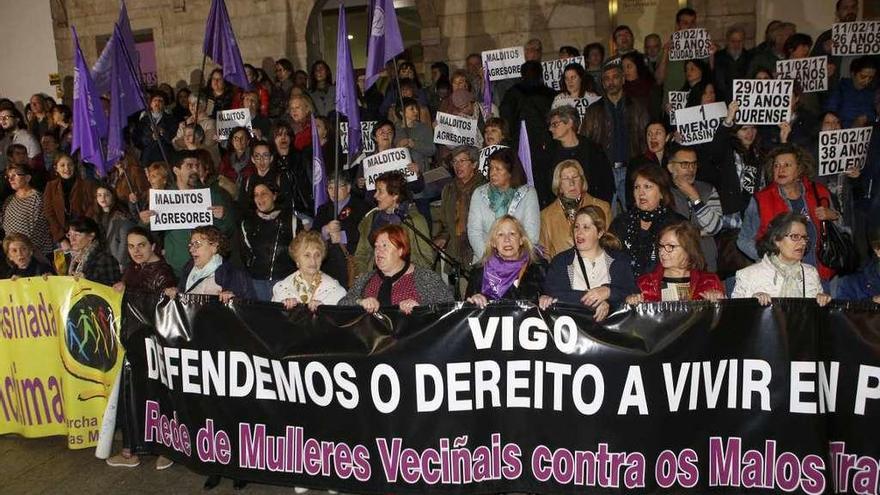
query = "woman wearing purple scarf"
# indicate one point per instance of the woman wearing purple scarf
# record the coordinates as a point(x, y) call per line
point(510, 268)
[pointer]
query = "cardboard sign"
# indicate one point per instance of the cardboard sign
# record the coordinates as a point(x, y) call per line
point(677, 100)
point(504, 63)
point(698, 124)
point(855, 38)
point(366, 136)
point(811, 72)
point(230, 119)
point(553, 70)
point(178, 210)
point(453, 130)
point(689, 44)
point(484, 158)
point(395, 159)
point(843, 149)
point(763, 101)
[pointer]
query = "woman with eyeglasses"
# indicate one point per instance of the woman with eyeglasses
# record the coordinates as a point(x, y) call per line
point(265, 172)
point(219, 92)
point(681, 274)
point(782, 271)
point(22, 212)
point(208, 272)
point(789, 170)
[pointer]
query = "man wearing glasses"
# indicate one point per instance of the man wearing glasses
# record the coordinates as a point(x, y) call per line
point(150, 142)
point(696, 200)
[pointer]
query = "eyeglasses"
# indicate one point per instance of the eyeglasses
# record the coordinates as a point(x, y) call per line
point(262, 156)
point(798, 237)
point(556, 123)
point(197, 244)
point(462, 161)
point(668, 248)
point(13, 175)
point(685, 164)
point(6, 117)
point(239, 138)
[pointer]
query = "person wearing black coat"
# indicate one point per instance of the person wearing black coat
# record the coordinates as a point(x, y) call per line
point(151, 144)
point(559, 281)
point(529, 100)
point(267, 232)
point(568, 145)
point(340, 230)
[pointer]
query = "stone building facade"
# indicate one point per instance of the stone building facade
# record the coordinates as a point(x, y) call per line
point(270, 29)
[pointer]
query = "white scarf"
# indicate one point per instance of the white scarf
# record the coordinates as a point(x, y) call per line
point(197, 274)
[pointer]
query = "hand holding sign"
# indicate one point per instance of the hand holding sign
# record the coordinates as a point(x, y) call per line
point(763, 101)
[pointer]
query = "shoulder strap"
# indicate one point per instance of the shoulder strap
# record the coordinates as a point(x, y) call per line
point(583, 269)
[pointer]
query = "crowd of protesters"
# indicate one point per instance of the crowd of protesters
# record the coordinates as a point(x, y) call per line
point(617, 212)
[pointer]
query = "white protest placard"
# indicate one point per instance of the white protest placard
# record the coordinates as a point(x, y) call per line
point(484, 157)
point(763, 101)
point(581, 104)
point(504, 63)
point(553, 70)
point(230, 119)
point(395, 159)
point(690, 43)
point(677, 100)
point(453, 130)
point(811, 72)
point(177, 210)
point(366, 136)
point(855, 38)
point(698, 124)
point(843, 149)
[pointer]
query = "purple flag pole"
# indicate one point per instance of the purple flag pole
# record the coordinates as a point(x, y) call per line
point(319, 178)
point(385, 41)
point(346, 90)
point(221, 46)
point(89, 121)
point(126, 97)
point(487, 94)
point(525, 153)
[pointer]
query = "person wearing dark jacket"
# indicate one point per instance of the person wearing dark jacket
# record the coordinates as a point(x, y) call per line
point(616, 123)
point(529, 100)
point(89, 258)
point(656, 137)
point(568, 145)
point(338, 221)
point(208, 273)
point(595, 272)
point(864, 284)
point(267, 231)
point(149, 142)
point(20, 261)
point(509, 269)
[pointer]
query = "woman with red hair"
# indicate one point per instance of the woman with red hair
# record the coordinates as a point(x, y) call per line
point(395, 281)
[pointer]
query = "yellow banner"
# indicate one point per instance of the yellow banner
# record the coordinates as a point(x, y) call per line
point(59, 357)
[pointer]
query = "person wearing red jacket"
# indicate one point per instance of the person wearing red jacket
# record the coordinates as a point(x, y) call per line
point(680, 275)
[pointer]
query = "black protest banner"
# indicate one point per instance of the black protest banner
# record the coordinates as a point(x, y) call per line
point(454, 399)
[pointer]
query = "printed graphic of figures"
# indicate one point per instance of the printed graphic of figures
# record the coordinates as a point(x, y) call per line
point(91, 342)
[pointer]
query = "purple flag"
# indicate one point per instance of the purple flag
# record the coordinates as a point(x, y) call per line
point(101, 69)
point(89, 121)
point(125, 97)
point(385, 41)
point(319, 178)
point(346, 91)
point(221, 46)
point(487, 93)
point(525, 153)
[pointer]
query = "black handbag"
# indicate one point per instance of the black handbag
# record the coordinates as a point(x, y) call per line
point(836, 249)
